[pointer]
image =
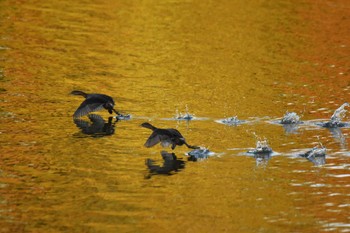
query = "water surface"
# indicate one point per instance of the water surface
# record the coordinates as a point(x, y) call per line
point(255, 60)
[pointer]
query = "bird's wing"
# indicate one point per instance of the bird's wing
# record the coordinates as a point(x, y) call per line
point(87, 107)
point(175, 133)
point(153, 140)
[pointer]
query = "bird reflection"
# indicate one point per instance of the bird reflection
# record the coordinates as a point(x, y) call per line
point(170, 163)
point(97, 127)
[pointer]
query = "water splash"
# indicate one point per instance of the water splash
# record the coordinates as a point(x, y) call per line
point(199, 154)
point(339, 114)
point(337, 117)
point(316, 155)
point(290, 118)
point(262, 147)
point(232, 121)
point(187, 116)
point(123, 117)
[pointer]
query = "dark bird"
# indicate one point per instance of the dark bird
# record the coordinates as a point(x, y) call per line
point(94, 102)
point(166, 137)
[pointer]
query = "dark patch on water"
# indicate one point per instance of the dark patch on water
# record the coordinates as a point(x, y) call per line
point(170, 165)
point(97, 126)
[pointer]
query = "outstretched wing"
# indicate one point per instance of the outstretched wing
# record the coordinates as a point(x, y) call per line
point(156, 138)
point(86, 107)
point(153, 140)
point(175, 133)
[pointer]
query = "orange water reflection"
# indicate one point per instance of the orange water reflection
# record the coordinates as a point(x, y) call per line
point(221, 59)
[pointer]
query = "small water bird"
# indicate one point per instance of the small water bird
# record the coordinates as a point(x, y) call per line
point(92, 103)
point(166, 137)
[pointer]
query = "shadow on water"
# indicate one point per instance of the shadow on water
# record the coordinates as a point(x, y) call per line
point(96, 127)
point(170, 165)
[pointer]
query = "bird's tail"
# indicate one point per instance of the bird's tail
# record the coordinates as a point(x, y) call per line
point(79, 93)
point(148, 126)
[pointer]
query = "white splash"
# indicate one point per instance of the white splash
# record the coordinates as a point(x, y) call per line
point(337, 117)
point(187, 116)
point(290, 118)
point(201, 153)
point(262, 146)
point(339, 114)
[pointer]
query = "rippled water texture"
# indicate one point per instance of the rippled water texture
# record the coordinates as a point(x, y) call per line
point(219, 59)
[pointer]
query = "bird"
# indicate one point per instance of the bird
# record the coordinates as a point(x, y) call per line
point(166, 137)
point(93, 102)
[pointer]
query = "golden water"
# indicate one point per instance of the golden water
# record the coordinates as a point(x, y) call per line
point(221, 59)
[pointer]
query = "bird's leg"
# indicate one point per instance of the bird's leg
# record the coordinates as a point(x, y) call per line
point(192, 147)
point(116, 112)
